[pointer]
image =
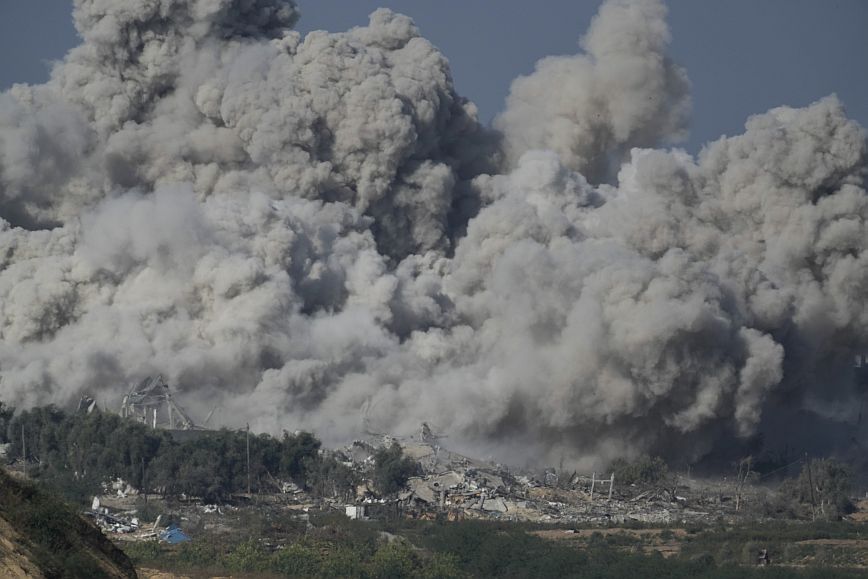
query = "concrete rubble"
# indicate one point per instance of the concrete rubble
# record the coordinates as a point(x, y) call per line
point(460, 487)
point(119, 487)
point(126, 525)
point(452, 486)
point(112, 522)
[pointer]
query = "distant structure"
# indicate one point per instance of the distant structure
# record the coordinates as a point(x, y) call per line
point(428, 436)
point(86, 405)
point(151, 403)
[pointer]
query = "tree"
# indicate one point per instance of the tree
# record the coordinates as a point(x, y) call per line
point(81, 451)
point(6, 413)
point(296, 451)
point(327, 477)
point(392, 469)
point(825, 485)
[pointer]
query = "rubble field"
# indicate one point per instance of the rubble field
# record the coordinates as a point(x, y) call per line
point(677, 517)
point(450, 486)
point(461, 487)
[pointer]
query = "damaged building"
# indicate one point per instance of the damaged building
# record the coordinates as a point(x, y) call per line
point(454, 486)
point(151, 403)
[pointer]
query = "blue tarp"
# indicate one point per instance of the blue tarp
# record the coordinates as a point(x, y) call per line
point(174, 535)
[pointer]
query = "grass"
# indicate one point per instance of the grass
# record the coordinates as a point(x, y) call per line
point(338, 547)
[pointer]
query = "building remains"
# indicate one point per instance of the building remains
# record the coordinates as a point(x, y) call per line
point(151, 403)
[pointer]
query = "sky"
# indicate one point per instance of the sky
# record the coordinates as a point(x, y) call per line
point(743, 56)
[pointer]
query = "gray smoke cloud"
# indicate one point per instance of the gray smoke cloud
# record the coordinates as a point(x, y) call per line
point(592, 108)
point(317, 232)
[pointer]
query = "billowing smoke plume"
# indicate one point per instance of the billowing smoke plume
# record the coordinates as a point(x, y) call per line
point(316, 232)
point(591, 109)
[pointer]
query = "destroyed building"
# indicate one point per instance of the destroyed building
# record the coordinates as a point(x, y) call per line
point(151, 403)
point(456, 487)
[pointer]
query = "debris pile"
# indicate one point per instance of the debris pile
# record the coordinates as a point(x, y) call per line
point(453, 486)
point(125, 522)
point(461, 487)
point(119, 487)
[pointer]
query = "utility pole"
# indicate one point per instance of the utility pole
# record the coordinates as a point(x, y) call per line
point(741, 479)
point(248, 459)
point(144, 480)
point(24, 450)
point(811, 483)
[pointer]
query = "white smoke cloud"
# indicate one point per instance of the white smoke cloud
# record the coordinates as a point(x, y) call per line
point(300, 228)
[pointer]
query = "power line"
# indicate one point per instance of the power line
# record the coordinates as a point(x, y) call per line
point(798, 460)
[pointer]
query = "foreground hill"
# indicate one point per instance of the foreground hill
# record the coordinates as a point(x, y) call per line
point(42, 537)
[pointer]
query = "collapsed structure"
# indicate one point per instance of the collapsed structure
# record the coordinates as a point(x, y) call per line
point(151, 403)
point(452, 486)
point(457, 487)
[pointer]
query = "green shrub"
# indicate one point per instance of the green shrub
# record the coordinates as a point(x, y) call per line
point(198, 553)
point(394, 561)
point(144, 551)
point(342, 562)
point(295, 561)
point(245, 557)
point(442, 566)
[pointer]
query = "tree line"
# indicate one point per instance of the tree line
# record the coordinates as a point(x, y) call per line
point(78, 452)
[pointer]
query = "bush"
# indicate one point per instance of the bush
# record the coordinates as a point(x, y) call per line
point(248, 556)
point(394, 561)
point(295, 561)
point(442, 566)
point(141, 552)
point(342, 562)
point(198, 554)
